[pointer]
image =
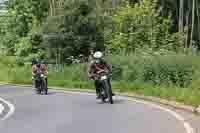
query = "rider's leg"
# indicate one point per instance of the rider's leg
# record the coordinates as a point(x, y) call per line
point(35, 83)
point(110, 85)
point(97, 85)
point(46, 82)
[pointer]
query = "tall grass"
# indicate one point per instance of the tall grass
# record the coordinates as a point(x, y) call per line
point(168, 70)
point(177, 70)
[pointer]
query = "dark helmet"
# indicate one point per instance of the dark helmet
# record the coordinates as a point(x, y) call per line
point(44, 62)
point(34, 62)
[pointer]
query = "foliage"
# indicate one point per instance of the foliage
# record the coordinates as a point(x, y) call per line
point(140, 26)
point(75, 33)
point(24, 18)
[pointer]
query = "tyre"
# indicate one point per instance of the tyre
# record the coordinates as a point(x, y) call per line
point(38, 91)
point(109, 92)
point(44, 87)
point(46, 91)
point(38, 87)
point(103, 98)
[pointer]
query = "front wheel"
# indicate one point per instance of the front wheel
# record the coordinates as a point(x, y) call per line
point(44, 87)
point(37, 87)
point(38, 91)
point(109, 92)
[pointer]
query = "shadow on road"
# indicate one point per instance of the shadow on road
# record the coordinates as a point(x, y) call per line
point(54, 93)
point(116, 101)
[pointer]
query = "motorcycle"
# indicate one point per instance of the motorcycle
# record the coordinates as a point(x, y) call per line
point(41, 84)
point(105, 89)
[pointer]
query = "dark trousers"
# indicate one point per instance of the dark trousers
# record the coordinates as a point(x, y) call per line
point(37, 83)
point(46, 82)
point(98, 86)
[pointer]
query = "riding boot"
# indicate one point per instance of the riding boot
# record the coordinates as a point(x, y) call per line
point(46, 82)
point(109, 82)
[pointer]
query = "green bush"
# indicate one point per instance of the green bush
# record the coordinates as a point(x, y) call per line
point(172, 69)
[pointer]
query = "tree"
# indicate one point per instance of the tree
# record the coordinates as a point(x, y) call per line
point(182, 11)
point(75, 33)
point(25, 17)
point(141, 26)
point(193, 21)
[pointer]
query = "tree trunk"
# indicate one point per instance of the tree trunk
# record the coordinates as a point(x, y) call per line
point(193, 20)
point(198, 17)
point(54, 7)
point(181, 9)
point(163, 7)
point(187, 25)
point(50, 8)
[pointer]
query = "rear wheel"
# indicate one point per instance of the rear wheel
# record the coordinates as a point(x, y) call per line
point(46, 91)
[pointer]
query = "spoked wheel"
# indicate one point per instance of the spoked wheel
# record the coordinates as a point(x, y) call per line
point(44, 87)
point(38, 91)
point(103, 97)
point(38, 88)
point(46, 91)
point(108, 92)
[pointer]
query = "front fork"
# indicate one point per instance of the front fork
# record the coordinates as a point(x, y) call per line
point(106, 83)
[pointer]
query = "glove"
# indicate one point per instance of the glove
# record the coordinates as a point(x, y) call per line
point(91, 76)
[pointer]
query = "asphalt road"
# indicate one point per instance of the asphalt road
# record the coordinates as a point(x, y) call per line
point(61, 112)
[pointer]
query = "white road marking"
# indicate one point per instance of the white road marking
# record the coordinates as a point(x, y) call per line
point(1, 109)
point(11, 109)
point(186, 125)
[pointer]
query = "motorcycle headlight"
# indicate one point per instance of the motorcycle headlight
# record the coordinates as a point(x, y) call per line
point(103, 77)
point(42, 75)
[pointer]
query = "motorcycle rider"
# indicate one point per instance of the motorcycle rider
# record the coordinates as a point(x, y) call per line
point(96, 65)
point(36, 67)
point(44, 69)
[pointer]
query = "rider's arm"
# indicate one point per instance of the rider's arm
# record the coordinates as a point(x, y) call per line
point(108, 66)
point(91, 73)
point(90, 69)
point(34, 70)
point(46, 69)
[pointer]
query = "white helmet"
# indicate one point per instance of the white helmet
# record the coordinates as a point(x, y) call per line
point(98, 55)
